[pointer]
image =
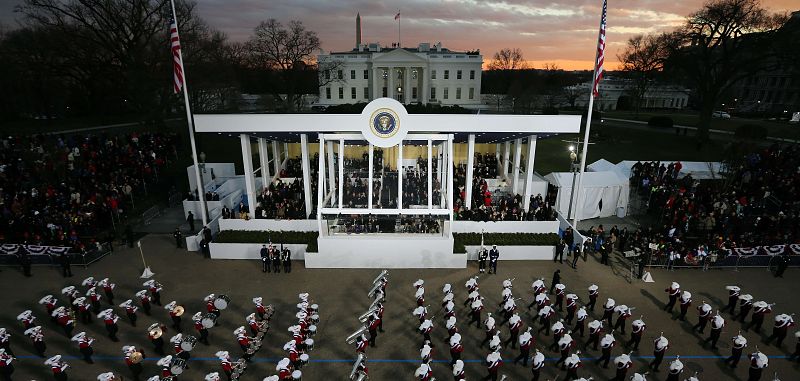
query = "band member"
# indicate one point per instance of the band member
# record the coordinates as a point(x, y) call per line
point(541, 300)
point(545, 315)
point(5, 341)
point(179, 351)
point(130, 311)
point(704, 311)
point(490, 327)
point(638, 328)
point(623, 313)
point(565, 346)
point(449, 309)
point(608, 311)
point(623, 363)
point(595, 331)
point(261, 311)
point(458, 371)
point(514, 325)
point(49, 303)
point(526, 340)
point(760, 308)
point(420, 313)
point(265, 260)
point(572, 364)
point(796, 354)
point(419, 294)
point(155, 289)
point(210, 306)
point(253, 323)
point(475, 312)
point(675, 369)
point(686, 302)
point(225, 361)
point(606, 344)
point(558, 332)
point(737, 347)
point(580, 324)
point(779, 331)
point(455, 348)
point(294, 355)
point(27, 319)
point(107, 376)
point(155, 333)
point(94, 299)
point(450, 324)
point(425, 329)
point(733, 297)
point(64, 319)
point(144, 299)
point(175, 312)
point(758, 362)
point(244, 341)
point(424, 373)
point(58, 367)
point(165, 363)
point(493, 363)
point(361, 344)
point(660, 346)
point(560, 289)
point(6, 364)
point(380, 316)
point(197, 320)
point(471, 297)
point(108, 288)
point(594, 292)
point(537, 287)
point(83, 310)
point(37, 337)
point(537, 365)
point(110, 319)
point(286, 258)
point(674, 290)
point(373, 323)
point(71, 293)
point(284, 369)
point(572, 306)
point(85, 346)
point(483, 254)
point(717, 323)
point(494, 255)
point(509, 308)
point(472, 284)
point(745, 305)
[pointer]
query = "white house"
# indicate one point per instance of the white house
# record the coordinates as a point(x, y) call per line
point(611, 89)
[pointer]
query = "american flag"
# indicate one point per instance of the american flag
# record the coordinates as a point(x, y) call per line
point(601, 47)
point(177, 72)
point(397, 16)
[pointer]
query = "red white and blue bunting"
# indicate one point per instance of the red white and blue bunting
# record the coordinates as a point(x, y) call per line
point(15, 249)
point(764, 250)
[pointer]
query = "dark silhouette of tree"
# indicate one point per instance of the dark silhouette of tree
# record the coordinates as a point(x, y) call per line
point(508, 59)
point(642, 60)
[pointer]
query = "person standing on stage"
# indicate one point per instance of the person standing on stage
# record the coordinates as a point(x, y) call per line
point(494, 255)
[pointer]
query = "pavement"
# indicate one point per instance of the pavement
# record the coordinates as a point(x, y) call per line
point(342, 296)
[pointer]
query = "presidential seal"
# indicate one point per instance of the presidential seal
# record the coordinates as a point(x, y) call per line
point(384, 123)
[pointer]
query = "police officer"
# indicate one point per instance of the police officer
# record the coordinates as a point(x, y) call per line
point(178, 237)
point(737, 347)
point(286, 258)
point(482, 255)
point(265, 260)
point(494, 255)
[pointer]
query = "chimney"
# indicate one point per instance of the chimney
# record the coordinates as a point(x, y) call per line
point(358, 30)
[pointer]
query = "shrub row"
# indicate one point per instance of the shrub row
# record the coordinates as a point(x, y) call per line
point(460, 240)
point(262, 237)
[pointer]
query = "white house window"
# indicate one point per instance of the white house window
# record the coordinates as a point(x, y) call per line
point(352, 93)
point(472, 74)
point(447, 74)
point(433, 74)
point(458, 74)
point(414, 92)
point(366, 74)
point(341, 93)
point(433, 93)
point(328, 92)
point(340, 74)
point(352, 74)
point(446, 93)
point(471, 93)
point(458, 93)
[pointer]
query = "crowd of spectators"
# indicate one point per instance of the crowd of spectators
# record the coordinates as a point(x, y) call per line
point(64, 190)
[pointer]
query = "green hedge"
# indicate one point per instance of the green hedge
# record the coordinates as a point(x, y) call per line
point(460, 240)
point(247, 236)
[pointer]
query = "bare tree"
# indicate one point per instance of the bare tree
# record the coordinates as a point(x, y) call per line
point(722, 43)
point(571, 94)
point(286, 49)
point(551, 66)
point(508, 59)
point(643, 59)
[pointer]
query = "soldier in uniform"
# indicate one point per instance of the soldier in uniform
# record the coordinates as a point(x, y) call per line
point(686, 302)
point(606, 344)
point(593, 294)
point(144, 299)
point(58, 367)
point(286, 258)
point(265, 260)
point(526, 340)
point(760, 308)
point(674, 290)
point(580, 324)
point(455, 348)
point(660, 346)
point(675, 369)
point(638, 328)
point(737, 347)
point(733, 297)
point(482, 255)
point(493, 363)
point(779, 331)
point(717, 323)
point(623, 363)
point(494, 255)
point(537, 363)
point(704, 311)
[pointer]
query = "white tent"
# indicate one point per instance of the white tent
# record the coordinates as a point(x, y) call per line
point(603, 165)
point(603, 193)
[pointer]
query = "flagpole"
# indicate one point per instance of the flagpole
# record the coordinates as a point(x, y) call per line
point(399, 43)
point(200, 189)
point(577, 194)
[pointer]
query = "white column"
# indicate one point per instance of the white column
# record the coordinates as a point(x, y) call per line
point(526, 201)
point(400, 175)
point(425, 85)
point(370, 169)
point(440, 161)
point(407, 85)
point(249, 180)
point(264, 158)
point(430, 174)
point(341, 173)
point(506, 158)
point(306, 172)
point(390, 85)
point(470, 163)
point(331, 174)
point(516, 168)
point(450, 178)
point(286, 155)
point(376, 88)
point(320, 181)
point(497, 157)
point(276, 159)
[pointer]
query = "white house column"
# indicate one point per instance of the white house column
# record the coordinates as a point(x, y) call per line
point(407, 86)
point(249, 180)
point(331, 174)
point(376, 90)
point(423, 92)
point(470, 163)
point(276, 159)
point(264, 159)
point(526, 201)
point(516, 169)
point(341, 173)
point(390, 85)
point(430, 174)
point(506, 158)
point(306, 172)
point(400, 175)
point(369, 181)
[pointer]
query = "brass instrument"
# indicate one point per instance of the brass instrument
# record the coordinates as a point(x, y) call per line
point(352, 338)
point(238, 369)
point(380, 276)
point(255, 345)
point(179, 310)
point(356, 373)
point(365, 316)
point(375, 288)
point(136, 357)
point(155, 330)
point(263, 327)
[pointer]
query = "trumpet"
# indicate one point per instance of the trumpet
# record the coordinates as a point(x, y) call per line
point(356, 373)
point(363, 318)
point(352, 338)
point(380, 276)
point(374, 289)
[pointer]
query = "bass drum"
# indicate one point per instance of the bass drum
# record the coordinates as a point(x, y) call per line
point(188, 343)
point(304, 359)
point(222, 302)
point(309, 343)
point(177, 366)
point(209, 320)
point(312, 330)
point(297, 375)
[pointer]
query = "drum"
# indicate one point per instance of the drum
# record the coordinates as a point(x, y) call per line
point(222, 302)
point(314, 308)
point(297, 375)
point(304, 359)
point(177, 366)
point(188, 343)
point(314, 319)
point(209, 320)
point(309, 344)
point(312, 330)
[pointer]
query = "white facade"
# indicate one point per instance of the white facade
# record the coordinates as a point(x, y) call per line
point(611, 89)
point(426, 74)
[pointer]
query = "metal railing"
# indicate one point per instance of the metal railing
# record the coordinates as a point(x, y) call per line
point(729, 261)
point(45, 259)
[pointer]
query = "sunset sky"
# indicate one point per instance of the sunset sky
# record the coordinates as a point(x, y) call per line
point(547, 31)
